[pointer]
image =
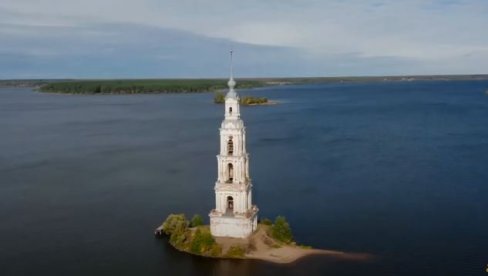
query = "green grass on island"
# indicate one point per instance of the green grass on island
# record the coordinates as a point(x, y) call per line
point(143, 86)
point(194, 237)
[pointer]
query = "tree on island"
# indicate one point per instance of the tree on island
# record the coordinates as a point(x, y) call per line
point(202, 241)
point(281, 230)
point(176, 227)
point(249, 100)
point(175, 223)
point(219, 98)
point(197, 239)
point(196, 220)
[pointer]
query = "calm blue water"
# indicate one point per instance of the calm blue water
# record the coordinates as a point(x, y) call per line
point(399, 170)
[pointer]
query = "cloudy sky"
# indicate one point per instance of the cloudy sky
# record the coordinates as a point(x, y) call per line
point(183, 38)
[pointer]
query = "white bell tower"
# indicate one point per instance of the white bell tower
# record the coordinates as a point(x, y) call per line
point(234, 215)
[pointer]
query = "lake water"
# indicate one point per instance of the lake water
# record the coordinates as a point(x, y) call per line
point(398, 170)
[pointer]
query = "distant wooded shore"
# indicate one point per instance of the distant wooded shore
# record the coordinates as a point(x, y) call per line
point(147, 86)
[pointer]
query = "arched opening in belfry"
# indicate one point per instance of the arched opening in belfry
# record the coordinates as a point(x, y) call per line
point(230, 110)
point(230, 204)
point(230, 171)
point(230, 146)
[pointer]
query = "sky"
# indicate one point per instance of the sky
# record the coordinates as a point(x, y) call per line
point(270, 38)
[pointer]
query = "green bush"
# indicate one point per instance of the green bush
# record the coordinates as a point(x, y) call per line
point(266, 221)
point(219, 98)
point(236, 251)
point(281, 230)
point(176, 227)
point(175, 223)
point(253, 100)
point(180, 240)
point(202, 241)
point(216, 250)
point(196, 220)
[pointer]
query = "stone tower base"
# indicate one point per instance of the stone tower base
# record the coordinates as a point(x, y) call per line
point(234, 226)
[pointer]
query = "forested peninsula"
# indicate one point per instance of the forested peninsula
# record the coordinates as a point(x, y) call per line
point(144, 86)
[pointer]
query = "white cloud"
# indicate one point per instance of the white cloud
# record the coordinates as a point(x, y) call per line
point(440, 31)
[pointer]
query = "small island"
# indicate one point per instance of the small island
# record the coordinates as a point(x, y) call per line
point(219, 98)
point(272, 241)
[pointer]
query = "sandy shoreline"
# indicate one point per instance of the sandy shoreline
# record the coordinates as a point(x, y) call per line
point(265, 250)
point(289, 254)
point(260, 246)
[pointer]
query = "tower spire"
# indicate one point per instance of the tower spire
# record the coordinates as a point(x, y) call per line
point(231, 65)
point(231, 83)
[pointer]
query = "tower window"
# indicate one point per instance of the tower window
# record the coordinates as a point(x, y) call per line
point(230, 110)
point(230, 203)
point(230, 146)
point(230, 172)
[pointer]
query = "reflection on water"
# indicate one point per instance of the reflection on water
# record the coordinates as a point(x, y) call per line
point(393, 169)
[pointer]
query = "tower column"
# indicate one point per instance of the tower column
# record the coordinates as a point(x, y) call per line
point(233, 164)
